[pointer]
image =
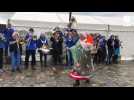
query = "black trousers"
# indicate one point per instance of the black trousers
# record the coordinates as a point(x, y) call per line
point(43, 63)
point(104, 54)
point(1, 58)
point(57, 59)
point(28, 54)
point(56, 54)
point(110, 55)
point(6, 49)
point(115, 59)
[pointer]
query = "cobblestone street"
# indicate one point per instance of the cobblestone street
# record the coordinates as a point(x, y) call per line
point(111, 76)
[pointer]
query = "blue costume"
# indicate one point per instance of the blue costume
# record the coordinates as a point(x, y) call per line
point(2, 46)
point(32, 44)
point(42, 41)
point(15, 55)
point(31, 47)
point(69, 43)
point(8, 35)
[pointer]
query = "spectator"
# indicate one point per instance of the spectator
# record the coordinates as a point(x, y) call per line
point(102, 49)
point(117, 49)
point(110, 44)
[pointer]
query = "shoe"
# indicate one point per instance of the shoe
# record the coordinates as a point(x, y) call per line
point(42, 69)
point(33, 68)
point(19, 70)
point(41, 65)
point(26, 67)
point(76, 84)
point(13, 70)
point(87, 81)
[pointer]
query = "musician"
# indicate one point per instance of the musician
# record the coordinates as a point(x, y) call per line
point(2, 46)
point(41, 43)
point(8, 34)
point(69, 43)
point(15, 52)
point(31, 47)
point(57, 42)
point(21, 43)
point(71, 39)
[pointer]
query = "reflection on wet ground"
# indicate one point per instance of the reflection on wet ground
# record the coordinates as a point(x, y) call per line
point(121, 75)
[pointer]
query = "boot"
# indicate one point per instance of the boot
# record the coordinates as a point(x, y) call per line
point(13, 70)
point(42, 68)
point(26, 67)
point(19, 70)
point(87, 81)
point(33, 68)
point(77, 83)
point(41, 64)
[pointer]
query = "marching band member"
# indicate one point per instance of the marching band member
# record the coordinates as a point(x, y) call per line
point(15, 52)
point(8, 34)
point(42, 43)
point(2, 46)
point(69, 43)
point(21, 43)
point(57, 42)
point(31, 47)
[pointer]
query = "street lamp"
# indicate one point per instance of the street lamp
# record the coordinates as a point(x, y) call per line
point(70, 15)
point(72, 20)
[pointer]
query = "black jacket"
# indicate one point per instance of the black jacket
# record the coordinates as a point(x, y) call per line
point(57, 45)
point(116, 43)
point(109, 43)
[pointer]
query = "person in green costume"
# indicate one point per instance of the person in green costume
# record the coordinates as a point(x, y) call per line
point(81, 56)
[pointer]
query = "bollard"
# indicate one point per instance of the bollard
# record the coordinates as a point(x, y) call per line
point(122, 61)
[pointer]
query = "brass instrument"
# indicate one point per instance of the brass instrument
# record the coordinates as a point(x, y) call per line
point(17, 37)
point(22, 41)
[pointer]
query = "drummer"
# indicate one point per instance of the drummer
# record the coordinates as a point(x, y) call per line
point(42, 42)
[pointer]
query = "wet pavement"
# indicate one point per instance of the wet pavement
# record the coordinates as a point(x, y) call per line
point(121, 75)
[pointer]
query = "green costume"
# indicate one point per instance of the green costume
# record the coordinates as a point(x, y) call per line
point(81, 56)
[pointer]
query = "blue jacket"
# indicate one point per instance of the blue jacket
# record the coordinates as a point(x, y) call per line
point(69, 42)
point(8, 33)
point(41, 41)
point(32, 44)
point(102, 43)
point(2, 44)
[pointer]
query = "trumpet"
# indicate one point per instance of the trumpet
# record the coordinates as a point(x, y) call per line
point(21, 41)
